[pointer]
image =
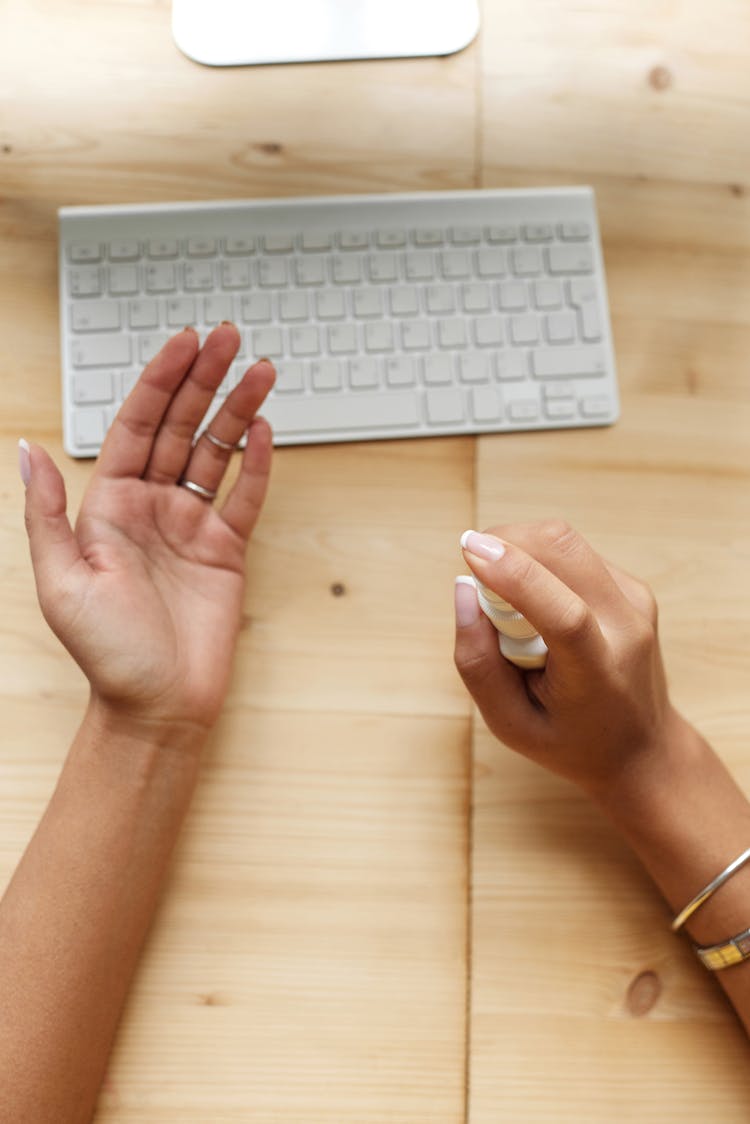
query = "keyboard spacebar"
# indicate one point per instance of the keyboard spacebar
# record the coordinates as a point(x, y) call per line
point(341, 412)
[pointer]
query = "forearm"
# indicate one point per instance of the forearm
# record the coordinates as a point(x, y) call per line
point(74, 917)
point(687, 819)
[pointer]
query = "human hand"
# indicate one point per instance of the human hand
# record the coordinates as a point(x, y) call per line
point(146, 591)
point(601, 701)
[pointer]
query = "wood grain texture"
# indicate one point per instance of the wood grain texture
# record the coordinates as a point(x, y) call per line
point(352, 927)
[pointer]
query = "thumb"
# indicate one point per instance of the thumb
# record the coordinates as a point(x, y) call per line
point(497, 687)
point(54, 548)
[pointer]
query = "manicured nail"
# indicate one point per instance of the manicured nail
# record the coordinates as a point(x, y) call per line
point(24, 461)
point(467, 606)
point(484, 546)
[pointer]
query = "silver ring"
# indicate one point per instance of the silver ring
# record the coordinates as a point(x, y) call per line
point(227, 446)
point(204, 493)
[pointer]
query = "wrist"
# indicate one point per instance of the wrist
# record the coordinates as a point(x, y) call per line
point(137, 748)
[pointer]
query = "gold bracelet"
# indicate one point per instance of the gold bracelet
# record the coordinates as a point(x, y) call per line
point(718, 956)
point(696, 902)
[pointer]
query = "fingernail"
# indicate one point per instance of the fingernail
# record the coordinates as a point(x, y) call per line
point(467, 606)
point(24, 461)
point(484, 546)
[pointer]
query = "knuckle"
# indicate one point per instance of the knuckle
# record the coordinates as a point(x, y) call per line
point(575, 620)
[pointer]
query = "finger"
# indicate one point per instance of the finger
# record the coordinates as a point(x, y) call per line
point(637, 592)
point(208, 460)
point(128, 444)
point(245, 500)
point(566, 622)
point(567, 554)
point(497, 687)
point(54, 547)
point(174, 440)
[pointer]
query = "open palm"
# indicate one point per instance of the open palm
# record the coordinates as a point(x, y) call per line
point(146, 591)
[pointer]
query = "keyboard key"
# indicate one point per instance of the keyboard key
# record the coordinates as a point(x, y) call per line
point(85, 282)
point(343, 339)
point(379, 336)
point(415, 335)
point(354, 240)
point(199, 277)
point(367, 302)
point(440, 299)
point(326, 374)
point(400, 371)
point(234, 275)
point(124, 249)
point(560, 327)
point(390, 239)
point(382, 268)
point(438, 370)
point(466, 235)
point(568, 362)
point(596, 406)
point(445, 406)
point(124, 280)
point(476, 297)
point(180, 312)
point(256, 309)
point(512, 296)
point(488, 331)
point(278, 243)
point(574, 231)
point(590, 324)
point(80, 252)
point(419, 265)
point(290, 378)
point(526, 262)
point(89, 426)
point(95, 316)
point(100, 351)
point(404, 301)
point(455, 265)
point(150, 345)
point(316, 240)
point(474, 368)
point(524, 410)
point(293, 306)
point(201, 247)
point(538, 232)
point(216, 309)
point(161, 278)
point(485, 404)
point(267, 343)
point(91, 387)
point(570, 259)
point(335, 413)
point(559, 408)
point(491, 263)
point(428, 237)
point(502, 234)
point(239, 246)
point(272, 273)
point(144, 314)
point(161, 248)
point(451, 333)
point(547, 294)
point(346, 269)
point(524, 329)
point(330, 305)
point(310, 271)
point(510, 366)
point(364, 373)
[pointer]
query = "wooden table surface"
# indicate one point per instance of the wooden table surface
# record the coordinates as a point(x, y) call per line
point(376, 913)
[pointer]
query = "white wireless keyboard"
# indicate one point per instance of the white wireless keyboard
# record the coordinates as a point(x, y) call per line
point(385, 316)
